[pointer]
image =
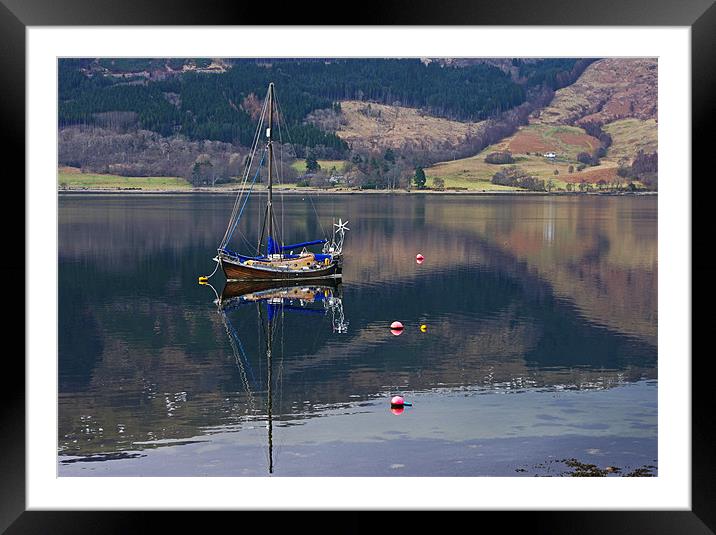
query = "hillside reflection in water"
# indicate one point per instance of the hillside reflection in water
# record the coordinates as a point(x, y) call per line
point(536, 296)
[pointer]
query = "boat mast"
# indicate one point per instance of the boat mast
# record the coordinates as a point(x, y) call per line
point(269, 135)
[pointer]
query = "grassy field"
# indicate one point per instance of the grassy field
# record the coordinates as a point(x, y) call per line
point(527, 146)
point(70, 178)
point(629, 136)
point(326, 165)
point(474, 174)
point(469, 183)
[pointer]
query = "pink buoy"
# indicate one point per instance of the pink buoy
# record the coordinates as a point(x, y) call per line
point(419, 258)
point(398, 404)
point(396, 328)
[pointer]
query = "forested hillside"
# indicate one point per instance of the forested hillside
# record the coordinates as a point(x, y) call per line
point(221, 105)
point(200, 100)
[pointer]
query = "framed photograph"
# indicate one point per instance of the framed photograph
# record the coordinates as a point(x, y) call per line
point(422, 262)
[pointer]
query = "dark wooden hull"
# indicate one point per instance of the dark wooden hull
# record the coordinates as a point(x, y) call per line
point(236, 271)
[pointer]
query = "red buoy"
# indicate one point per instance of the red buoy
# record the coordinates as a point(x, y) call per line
point(398, 404)
point(419, 258)
point(396, 328)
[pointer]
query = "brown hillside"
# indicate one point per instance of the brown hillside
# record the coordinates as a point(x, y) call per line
point(620, 94)
point(566, 143)
point(593, 176)
point(371, 125)
point(608, 90)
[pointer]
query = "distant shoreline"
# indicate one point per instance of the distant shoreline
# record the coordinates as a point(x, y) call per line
point(314, 191)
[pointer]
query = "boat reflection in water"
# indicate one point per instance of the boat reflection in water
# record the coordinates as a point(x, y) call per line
point(272, 300)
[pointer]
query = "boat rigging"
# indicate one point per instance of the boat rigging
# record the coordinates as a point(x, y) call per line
point(274, 260)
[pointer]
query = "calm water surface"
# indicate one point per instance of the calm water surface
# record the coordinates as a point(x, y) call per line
point(541, 339)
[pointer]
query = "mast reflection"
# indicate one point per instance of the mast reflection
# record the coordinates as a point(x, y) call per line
point(272, 300)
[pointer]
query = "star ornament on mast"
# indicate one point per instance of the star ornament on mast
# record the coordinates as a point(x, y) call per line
point(339, 234)
point(341, 226)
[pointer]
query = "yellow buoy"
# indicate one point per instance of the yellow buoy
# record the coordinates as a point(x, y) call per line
point(423, 328)
point(203, 280)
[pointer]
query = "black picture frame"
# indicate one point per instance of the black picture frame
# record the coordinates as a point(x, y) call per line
point(16, 15)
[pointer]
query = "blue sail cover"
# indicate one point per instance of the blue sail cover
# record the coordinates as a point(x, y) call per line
point(273, 247)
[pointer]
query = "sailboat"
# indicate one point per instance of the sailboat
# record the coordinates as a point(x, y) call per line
point(273, 259)
point(319, 298)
